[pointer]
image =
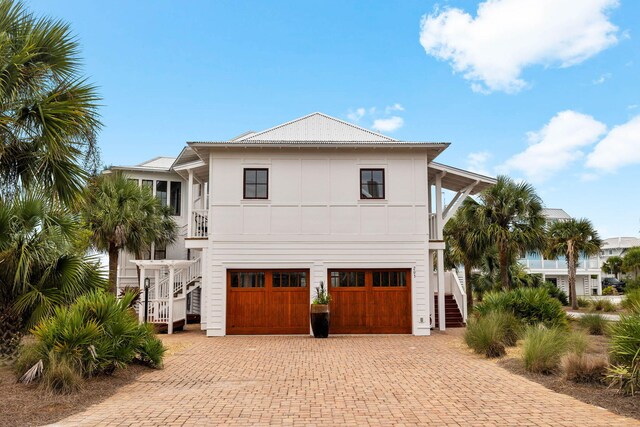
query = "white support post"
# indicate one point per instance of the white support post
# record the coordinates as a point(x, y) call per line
point(190, 204)
point(170, 286)
point(439, 224)
point(441, 306)
point(144, 296)
point(432, 289)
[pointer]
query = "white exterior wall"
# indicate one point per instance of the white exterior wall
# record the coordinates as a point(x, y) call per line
point(314, 219)
point(127, 274)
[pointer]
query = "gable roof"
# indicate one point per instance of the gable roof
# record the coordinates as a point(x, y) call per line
point(456, 179)
point(316, 127)
point(554, 213)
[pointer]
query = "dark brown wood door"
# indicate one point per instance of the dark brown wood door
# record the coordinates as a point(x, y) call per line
point(267, 302)
point(370, 301)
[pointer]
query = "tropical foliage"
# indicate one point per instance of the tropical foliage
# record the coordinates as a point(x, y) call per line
point(42, 266)
point(97, 334)
point(490, 334)
point(122, 215)
point(48, 112)
point(631, 261)
point(625, 353)
point(530, 305)
point(613, 265)
point(507, 216)
point(571, 238)
point(543, 348)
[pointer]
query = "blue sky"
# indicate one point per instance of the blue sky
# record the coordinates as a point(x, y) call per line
point(544, 90)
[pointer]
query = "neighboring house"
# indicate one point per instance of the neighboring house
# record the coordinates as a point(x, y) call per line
point(556, 271)
point(617, 246)
point(268, 216)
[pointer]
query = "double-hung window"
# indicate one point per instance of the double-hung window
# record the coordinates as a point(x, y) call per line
point(256, 183)
point(372, 183)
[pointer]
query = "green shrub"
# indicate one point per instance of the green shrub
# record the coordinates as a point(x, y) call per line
point(609, 290)
point(529, 305)
point(490, 334)
point(577, 343)
point(609, 307)
point(631, 300)
point(97, 334)
point(595, 324)
point(543, 348)
point(583, 302)
point(632, 284)
point(584, 368)
point(624, 352)
point(557, 293)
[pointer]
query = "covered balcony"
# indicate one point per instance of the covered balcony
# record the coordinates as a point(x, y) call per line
point(196, 172)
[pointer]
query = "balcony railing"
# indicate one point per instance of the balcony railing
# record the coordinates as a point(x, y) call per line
point(433, 227)
point(199, 223)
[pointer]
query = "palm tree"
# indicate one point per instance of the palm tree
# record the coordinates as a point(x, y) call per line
point(460, 248)
point(631, 261)
point(123, 216)
point(509, 216)
point(613, 265)
point(48, 113)
point(571, 238)
point(40, 266)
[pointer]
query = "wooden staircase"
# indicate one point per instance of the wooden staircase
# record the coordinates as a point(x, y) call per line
point(453, 316)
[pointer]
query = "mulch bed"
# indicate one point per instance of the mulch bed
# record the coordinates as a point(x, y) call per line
point(30, 406)
point(593, 394)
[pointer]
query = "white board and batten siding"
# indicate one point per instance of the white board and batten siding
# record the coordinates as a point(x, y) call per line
point(314, 219)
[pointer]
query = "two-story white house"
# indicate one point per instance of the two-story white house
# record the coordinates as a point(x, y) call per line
point(556, 271)
point(268, 216)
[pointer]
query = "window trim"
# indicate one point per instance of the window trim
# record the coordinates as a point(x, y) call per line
point(244, 184)
point(384, 183)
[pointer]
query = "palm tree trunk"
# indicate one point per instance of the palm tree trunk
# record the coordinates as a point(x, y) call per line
point(504, 269)
point(114, 253)
point(571, 261)
point(469, 288)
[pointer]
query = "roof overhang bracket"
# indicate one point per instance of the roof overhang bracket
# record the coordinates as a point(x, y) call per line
point(457, 201)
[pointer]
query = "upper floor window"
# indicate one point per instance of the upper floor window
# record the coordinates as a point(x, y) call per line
point(175, 198)
point(161, 192)
point(148, 183)
point(256, 183)
point(372, 183)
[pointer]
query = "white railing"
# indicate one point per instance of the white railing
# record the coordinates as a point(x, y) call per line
point(178, 282)
point(194, 270)
point(158, 311)
point(433, 227)
point(459, 293)
point(557, 264)
point(199, 223)
point(180, 309)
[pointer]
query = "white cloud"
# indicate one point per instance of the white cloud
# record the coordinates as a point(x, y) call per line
point(619, 148)
point(388, 125)
point(356, 115)
point(556, 146)
point(601, 79)
point(395, 107)
point(632, 106)
point(477, 162)
point(507, 36)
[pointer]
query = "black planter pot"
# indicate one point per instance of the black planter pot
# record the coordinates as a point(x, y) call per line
point(320, 320)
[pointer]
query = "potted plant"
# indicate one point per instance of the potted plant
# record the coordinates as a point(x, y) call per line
point(320, 312)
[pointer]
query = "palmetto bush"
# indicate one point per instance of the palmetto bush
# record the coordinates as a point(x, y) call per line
point(631, 300)
point(624, 352)
point(530, 305)
point(96, 335)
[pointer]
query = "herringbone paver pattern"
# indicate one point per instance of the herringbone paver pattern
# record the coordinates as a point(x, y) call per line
point(359, 380)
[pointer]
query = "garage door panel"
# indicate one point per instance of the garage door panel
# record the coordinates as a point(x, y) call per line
point(348, 311)
point(267, 302)
point(391, 310)
point(374, 301)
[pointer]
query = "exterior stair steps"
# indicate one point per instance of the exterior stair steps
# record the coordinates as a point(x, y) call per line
point(453, 316)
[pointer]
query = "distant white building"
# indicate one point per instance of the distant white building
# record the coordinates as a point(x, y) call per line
point(616, 246)
point(588, 272)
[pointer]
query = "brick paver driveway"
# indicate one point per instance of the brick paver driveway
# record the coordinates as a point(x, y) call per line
point(375, 380)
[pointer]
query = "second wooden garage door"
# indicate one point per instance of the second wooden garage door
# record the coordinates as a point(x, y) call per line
point(267, 302)
point(370, 301)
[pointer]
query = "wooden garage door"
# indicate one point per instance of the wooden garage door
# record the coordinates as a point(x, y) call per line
point(267, 302)
point(370, 301)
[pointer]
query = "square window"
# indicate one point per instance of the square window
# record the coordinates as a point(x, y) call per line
point(256, 184)
point(372, 184)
